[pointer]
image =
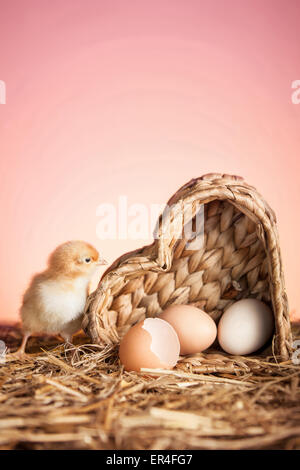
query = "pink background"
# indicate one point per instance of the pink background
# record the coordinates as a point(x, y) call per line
point(135, 97)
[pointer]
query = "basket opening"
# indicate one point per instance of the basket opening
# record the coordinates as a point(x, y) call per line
point(230, 265)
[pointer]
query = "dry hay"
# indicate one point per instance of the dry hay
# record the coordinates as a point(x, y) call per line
point(58, 398)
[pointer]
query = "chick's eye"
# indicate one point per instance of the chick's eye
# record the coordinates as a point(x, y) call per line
point(87, 260)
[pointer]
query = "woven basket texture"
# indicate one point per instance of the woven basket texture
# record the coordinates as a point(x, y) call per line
point(234, 254)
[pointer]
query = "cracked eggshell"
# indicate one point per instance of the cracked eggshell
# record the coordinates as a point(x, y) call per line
point(196, 330)
point(152, 343)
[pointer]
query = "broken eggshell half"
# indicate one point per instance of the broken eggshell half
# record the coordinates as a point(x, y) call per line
point(152, 344)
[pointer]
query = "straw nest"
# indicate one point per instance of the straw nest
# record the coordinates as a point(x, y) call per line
point(81, 398)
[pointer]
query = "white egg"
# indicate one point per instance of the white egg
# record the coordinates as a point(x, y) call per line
point(245, 327)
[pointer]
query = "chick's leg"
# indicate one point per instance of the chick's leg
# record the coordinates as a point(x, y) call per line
point(21, 350)
point(69, 341)
point(67, 337)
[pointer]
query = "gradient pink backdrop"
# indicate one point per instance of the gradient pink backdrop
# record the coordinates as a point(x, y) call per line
point(116, 97)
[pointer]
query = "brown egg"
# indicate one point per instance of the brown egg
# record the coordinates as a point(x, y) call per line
point(152, 344)
point(195, 329)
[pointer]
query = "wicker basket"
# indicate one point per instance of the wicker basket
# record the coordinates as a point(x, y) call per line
point(239, 257)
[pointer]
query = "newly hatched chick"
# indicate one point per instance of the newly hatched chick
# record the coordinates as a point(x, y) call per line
point(55, 299)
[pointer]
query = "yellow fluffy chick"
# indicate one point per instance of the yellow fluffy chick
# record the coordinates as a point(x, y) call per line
point(55, 299)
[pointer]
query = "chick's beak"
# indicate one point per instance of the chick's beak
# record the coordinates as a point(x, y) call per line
point(101, 261)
